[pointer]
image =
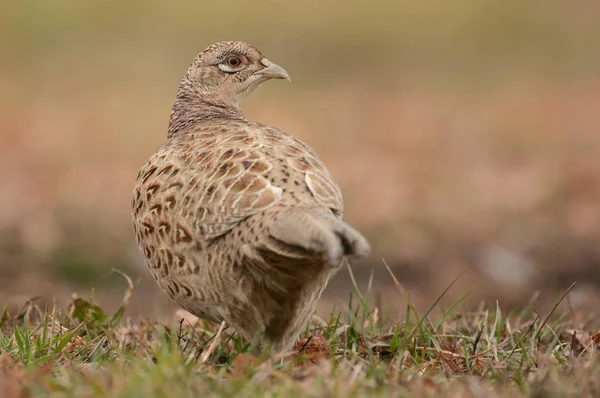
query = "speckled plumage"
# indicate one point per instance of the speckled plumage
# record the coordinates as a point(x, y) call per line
point(238, 221)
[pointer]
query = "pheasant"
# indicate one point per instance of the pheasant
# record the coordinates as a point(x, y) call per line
point(238, 221)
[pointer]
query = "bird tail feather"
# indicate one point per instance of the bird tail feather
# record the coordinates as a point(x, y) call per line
point(302, 233)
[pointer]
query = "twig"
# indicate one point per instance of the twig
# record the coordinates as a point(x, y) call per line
point(206, 354)
point(522, 337)
point(554, 309)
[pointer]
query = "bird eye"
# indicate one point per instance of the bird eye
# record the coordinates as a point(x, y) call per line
point(233, 61)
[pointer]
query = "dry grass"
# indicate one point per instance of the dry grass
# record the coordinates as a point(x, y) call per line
point(359, 352)
point(461, 132)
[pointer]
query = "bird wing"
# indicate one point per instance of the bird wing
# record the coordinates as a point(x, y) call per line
point(303, 160)
point(217, 176)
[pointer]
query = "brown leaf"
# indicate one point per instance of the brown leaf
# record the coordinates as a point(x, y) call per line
point(12, 377)
point(447, 359)
point(578, 339)
point(312, 349)
point(242, 364)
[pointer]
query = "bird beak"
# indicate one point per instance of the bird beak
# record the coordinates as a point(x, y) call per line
point(272, 71)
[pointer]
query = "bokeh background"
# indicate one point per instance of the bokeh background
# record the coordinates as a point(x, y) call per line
point(464, 133)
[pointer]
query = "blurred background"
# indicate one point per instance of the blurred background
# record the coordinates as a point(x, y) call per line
point(463, 134)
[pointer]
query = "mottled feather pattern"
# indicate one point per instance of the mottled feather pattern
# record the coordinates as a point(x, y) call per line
point(226, 176)
point(238, 221)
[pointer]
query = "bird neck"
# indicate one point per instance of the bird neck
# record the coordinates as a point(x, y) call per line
point(194, 104)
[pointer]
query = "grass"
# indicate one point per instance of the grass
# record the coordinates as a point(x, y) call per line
point(85, 352)
point(468, 127)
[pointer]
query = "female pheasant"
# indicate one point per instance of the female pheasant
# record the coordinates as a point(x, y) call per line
point(239, 221)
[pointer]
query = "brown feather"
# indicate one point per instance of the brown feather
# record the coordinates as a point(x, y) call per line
point(238, 221)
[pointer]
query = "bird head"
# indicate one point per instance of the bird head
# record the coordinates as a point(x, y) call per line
point(230, 70)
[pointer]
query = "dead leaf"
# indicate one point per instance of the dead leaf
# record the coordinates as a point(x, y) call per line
point(242, 364)
point(312, 349)
point(12, 377)
point(578, 339)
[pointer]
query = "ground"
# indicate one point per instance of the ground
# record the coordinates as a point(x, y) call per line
point(359, 352)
